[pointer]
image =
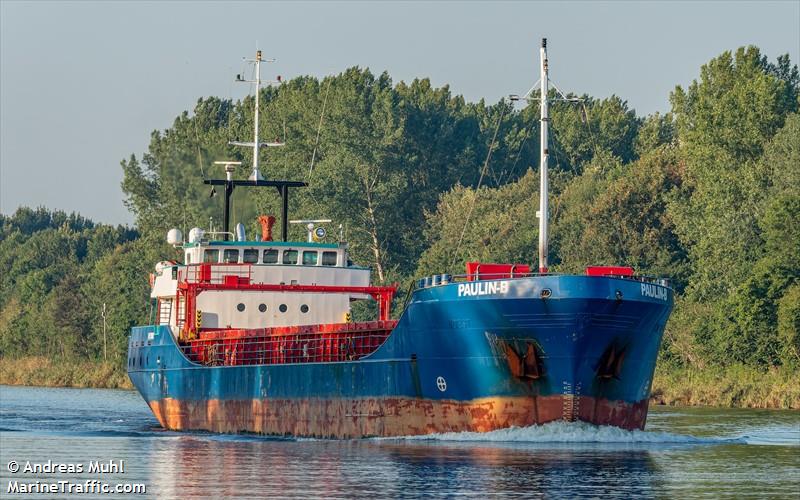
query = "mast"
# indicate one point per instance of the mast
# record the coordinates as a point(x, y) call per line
point(255, 179)
point(544, 121)
point(256, 145)
point(543, 188)
point(256, 174)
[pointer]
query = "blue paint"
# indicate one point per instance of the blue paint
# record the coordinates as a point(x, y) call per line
point(442, 334)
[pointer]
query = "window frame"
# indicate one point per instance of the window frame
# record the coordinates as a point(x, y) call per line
point(210, 251)
point(225, 253)
point(289, 251)
point(250, 250)
point(271, 251)
point(335, 258)
point(316, 257)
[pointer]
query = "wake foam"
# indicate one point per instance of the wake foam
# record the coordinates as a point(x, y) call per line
point(567, 432)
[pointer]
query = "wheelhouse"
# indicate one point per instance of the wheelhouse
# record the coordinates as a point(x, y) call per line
point(267, 253)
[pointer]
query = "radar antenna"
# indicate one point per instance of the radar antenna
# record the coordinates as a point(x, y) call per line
point(256, 145)
point(255, 179)
point(313, 234)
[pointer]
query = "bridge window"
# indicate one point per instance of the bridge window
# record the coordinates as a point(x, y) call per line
point(270, 256)
point(250, 256)
point(289, 257)
point(328, 258)
point(188, 257)
point(211, 256)
point(231, 256)
point(310, 258)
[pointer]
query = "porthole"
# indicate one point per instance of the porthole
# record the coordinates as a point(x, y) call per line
point(262, 307)
point(283, 308)
point(546, 293)
point(304, 308)
point(240, 307)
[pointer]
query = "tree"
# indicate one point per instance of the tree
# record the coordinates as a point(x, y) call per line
point(616, 215)
point(501, 228)
point(723, 123)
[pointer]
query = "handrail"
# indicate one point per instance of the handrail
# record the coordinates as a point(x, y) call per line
point(450, 278)
point(283, 349)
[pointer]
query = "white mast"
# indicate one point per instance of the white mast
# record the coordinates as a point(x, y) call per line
point(542, 213)
point(256, 145)
point(544, 107)
point(256, 174)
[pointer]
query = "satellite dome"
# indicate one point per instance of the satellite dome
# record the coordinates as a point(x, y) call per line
point(174, 237)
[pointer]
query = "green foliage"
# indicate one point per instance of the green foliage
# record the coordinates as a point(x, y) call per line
point(501, 228)
point(46, 307)
point(734, 386)
point(723, 122)
point(656, 130)
point(580, 131)
point(615, 214)
point(789, 325)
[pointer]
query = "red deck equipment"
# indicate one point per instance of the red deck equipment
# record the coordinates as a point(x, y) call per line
point(487, 271)
point(609, 271)
point(324, 343)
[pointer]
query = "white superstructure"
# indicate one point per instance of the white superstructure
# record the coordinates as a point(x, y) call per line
point(282, 264)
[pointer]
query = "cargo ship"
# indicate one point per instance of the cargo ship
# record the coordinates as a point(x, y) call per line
point(257, 336)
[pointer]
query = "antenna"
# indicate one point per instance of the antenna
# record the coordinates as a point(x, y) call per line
point(256, 145)
point(230, 166)
point(544, 82)
point(310, 224)
point(255, 179)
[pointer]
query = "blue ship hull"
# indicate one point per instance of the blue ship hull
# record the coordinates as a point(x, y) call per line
point(473, 356)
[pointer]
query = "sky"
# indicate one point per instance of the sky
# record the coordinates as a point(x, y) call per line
point(84, 84)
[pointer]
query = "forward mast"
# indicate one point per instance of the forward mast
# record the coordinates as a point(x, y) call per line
point(543, 186)
point(544, 121)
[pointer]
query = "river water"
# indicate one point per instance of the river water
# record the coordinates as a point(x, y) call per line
point(685, 452)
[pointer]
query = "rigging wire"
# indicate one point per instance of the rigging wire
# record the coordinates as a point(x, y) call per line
point(319, 129)
point(589, 127)
point(495, 178)
point(480, 181)
point(519, 154)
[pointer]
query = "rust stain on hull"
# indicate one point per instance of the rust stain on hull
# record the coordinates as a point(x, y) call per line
point(346, 418)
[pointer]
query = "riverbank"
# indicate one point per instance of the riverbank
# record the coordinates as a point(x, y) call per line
point(732, 387)
point(44, 372)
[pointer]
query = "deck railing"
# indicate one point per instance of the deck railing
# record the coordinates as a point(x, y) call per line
point(218, 274)
point(444, 279)
point(242, 347)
